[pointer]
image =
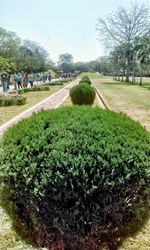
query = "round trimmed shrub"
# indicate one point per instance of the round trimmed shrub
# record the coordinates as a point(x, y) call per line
point(85, 81)
point(84, 78)
point(76, 174)
point(82, 94)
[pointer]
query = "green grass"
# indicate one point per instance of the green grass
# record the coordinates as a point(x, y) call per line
point(6, 113)
point(91, 75)
point(134, 100)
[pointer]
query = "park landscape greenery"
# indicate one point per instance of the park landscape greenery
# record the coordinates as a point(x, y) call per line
point(78, 177)
point(74, 181)
point(121, 139)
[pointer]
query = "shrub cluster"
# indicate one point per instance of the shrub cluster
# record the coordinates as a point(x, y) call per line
point(85, 79)
point(82, 94)
point(59, 83)
point(12, 99)
point(76, 171)
point(35, 88)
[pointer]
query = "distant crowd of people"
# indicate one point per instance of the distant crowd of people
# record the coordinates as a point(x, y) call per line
point(21, 80)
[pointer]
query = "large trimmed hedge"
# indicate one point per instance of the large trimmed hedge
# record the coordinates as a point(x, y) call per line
point(74, 173)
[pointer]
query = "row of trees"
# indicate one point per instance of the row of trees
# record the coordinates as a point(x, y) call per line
point(18, 55)
point(101, 65)
point(26, 55)
point(126, 32)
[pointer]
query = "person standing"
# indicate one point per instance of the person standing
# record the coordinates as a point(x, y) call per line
point(49, 76)
point(15, 81)
point(25, 80)
point(31, 79)
point(44, 77)
point(4, 79)
point(19, 80)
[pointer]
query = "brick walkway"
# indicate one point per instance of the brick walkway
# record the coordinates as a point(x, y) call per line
point(50, 102)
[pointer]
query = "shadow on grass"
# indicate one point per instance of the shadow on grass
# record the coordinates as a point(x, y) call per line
point(109, 237)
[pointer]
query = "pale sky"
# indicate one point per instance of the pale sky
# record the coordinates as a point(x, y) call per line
point(60, 26)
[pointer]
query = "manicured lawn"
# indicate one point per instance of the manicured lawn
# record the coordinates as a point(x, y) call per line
point(134, 100)
point(6, 113)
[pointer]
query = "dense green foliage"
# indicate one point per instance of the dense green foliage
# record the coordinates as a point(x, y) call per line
point(6, 65)
point(85, 81)
point(11, 99)
point(82, 94)
point(85, 77)
point(20, 55)
point(35, 88)
point(77, 171)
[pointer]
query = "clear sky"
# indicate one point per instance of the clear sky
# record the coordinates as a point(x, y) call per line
point(60, 26)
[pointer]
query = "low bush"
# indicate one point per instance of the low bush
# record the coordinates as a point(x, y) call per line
point(11, 99)
point(85, 81)
point(54, 84)
point(76, 176)
point(35, 88)
point(84, 78)
point(82, 94)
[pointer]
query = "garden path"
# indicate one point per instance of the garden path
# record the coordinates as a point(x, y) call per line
point(50, 102)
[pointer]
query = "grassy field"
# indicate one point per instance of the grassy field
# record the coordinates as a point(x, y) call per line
point(6, 113)
point(133, 100)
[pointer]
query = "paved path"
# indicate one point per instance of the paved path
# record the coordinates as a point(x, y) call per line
point(50, 102)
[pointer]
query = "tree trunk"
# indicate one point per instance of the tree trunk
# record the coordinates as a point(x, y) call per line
point(122, 77)
point(141, 75)
point(128, 68)
point(133, 76)
point(127, 74)
point(119, 77)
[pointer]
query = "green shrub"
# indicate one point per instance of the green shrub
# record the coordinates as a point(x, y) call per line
point(82, 94)
point(35, 88)
point(54, 84)
point(21, 100)
point(21, 91)
point(84, 78)
point(85, 81)
point(76, 172)
point(11, 99)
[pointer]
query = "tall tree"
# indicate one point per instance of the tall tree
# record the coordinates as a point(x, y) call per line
point(33, 57)
point(122, 27)
point(142, 50)
point(66, 62)
point(9, 44)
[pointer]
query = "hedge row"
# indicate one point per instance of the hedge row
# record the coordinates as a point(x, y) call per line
point(54, 84)
point(83, 94)
point(85, 79)
point(35, 88)
point(74, 173)
point(12, 99)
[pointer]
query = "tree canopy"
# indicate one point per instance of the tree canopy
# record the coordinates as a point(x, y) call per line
point(22, 55)
point(121, 29)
